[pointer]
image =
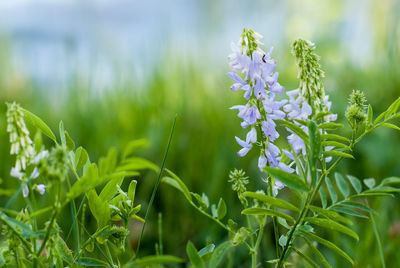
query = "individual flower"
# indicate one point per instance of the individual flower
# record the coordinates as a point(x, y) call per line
point(25, 190)
point(277, 185)
point(41, 188)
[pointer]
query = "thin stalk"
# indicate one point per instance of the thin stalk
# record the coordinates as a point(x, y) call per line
point(274, 222)
point(290, 236)
point(257, 245)
point(378, 239)
point(153, 194)
point(16, 258)
point(53, 218)
point(109, 253)
point(160, 240)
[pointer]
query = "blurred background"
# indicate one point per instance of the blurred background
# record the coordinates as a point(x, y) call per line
point(118, 70)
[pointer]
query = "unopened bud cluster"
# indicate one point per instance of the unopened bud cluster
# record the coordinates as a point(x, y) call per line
point(356, 111)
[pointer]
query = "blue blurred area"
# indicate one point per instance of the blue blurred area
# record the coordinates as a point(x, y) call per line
point(51, 40)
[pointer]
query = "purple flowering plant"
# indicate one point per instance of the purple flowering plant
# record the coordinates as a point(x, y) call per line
point(308, 152)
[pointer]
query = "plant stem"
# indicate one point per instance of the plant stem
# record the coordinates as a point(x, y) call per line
point(256, 246)
point(153, 194)
point(109, 253)
point(378, 240)
point(160, 241)
point(53, 218)
point(274, 221)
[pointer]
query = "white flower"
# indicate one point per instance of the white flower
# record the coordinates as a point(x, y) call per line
point(25, 191)
point(35, 173)
point(41, 188)
point(16, 173)
point(40, 156)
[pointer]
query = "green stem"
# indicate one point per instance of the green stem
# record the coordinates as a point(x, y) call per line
point(290, 236)
point(53, 218)
point(109, 253)
point(153, 194)
point(378, 240)
point(16, 258)
point(257, 246)
point(160, 241)
point(274, 222)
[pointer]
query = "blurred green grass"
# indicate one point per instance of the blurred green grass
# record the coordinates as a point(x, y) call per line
point(203, 149)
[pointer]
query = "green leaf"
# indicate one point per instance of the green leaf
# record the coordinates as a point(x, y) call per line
point(323, 197)
point(204, 198)
point(370, 182)
point(265, 211)
point(69, 142)
point(194, 256)
point(370, 115)
point(317, 253)
point(219, 253)
point(85, 183)
point(99, 208)
point(110, 190)
point(132, 146)
point(306, 258)
point(296, 129)
point(331, 190)
point(334, 137)
point(366, 194)
point(65, 252)
point(387, 189)
point(379, 118)
point(355, 183)
point(132, 190)
point(392, 108)
point(336, 144)
point(328, 244)
point(214, 211)
point(349, 212)
point(352, 204)
point(291, 180)
point(221, 209)
point(390, 180)
point(37, 122)
point(390, 126)
point(181, 186)
point(62, 132)
point(81, 157)
point(330, 125)
point(108, 164)
point(337, 153)
point(276, 202)
point(153, 260)
point(87, 261)
point(200, 201)
point(137, 163)
point(332, 225)
point(207, 249)
point(322, 114)
point(330, 214)
point(282, 240)
point(341, 183)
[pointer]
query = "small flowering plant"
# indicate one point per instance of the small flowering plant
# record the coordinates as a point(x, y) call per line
point(62, 180)
point(305, 163)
